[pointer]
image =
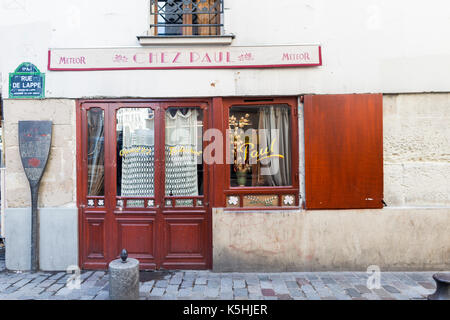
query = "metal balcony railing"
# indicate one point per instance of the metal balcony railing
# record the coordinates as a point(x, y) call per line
point(186, 17)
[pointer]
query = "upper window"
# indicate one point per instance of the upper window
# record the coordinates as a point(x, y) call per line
point(186, 17)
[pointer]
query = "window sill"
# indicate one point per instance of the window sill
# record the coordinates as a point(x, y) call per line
point(185, 40)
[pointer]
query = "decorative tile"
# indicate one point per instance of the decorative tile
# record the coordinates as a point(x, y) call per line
point(288, 200)
point(233, 201)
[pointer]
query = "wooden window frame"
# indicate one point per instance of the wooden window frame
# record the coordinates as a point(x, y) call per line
point(294, 189)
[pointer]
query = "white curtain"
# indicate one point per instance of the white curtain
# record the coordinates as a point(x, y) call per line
point(181, 147)
point(274, 124)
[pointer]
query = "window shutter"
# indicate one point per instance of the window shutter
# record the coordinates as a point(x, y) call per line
point(344, 151)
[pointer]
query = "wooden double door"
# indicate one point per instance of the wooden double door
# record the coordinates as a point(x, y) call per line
point(143, 184)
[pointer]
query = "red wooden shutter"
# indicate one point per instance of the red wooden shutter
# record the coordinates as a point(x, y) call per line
point(344, 151)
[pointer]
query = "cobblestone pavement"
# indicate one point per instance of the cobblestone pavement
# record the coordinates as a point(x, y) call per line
point(200, 285)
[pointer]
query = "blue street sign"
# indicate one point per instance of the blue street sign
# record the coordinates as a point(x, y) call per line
point(26, 82)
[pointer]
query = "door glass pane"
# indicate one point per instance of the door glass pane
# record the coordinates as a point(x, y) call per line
point(260, 146)
point(96, 152)
point(183, 149)
point(135, 152)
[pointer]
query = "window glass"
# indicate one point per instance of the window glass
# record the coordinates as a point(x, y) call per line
point(186, 17)
point(135, 132)
point(183, 150)
point(260, 146)
point(96, 152)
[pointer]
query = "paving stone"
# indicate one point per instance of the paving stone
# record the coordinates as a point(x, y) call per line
point(226, 282)
point(157, 292)
point(296, 292)
point(240, 292)
point(85, 275)
point(310, 293)
point(185, 292)
point(161, 284)
point(362, 289)
point(22, 282)
point(148, 283)
point(266, 284)
point(39, 279)
point(102, 296)
point(352, 292)
point(199, 288)
point(382, 293)
point(211, 292)
point(187, 284)
point(213, 283)
point(303, 281)
point(238, 284)
point(254, 289)
point(176, 280)
point(172, 289)
point(263, 277)
point(267, 292)
point(226, 296)
point(201, 281)
point(390, 289)
point(284, 297)
point(254, 297)
point(427, 285)
point(321, 289)
point(291, 284)
point(338, 292)
point(57, 276)
point(328, 280)
point(418, 276)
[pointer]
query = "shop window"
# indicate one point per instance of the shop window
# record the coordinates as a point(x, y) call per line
point(262, 165)
point(186, 17)
point(135, 134)
point(96, 153)
point(260, 146)
point(183, 154)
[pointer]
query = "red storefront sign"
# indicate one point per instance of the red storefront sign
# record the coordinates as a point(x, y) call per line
point(184, 58)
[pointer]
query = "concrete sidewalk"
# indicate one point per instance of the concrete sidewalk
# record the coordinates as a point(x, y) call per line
point(199, 285)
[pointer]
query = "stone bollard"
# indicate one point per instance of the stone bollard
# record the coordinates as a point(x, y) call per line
point(124, 278)
point(442, 287)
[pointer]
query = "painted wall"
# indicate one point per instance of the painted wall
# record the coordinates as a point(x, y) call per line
point(368, 46)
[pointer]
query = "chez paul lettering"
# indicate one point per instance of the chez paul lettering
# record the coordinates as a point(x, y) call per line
point(176, 57)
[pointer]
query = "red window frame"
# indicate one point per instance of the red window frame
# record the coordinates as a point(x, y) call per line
point(294, 189)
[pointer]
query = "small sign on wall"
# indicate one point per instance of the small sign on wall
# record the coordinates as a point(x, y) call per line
point(26, 82)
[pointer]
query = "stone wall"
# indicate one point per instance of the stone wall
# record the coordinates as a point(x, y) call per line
point(60, 174)
point(417, 149)
point(57, 195)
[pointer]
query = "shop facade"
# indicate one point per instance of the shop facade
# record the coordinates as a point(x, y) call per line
point(197, 142)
